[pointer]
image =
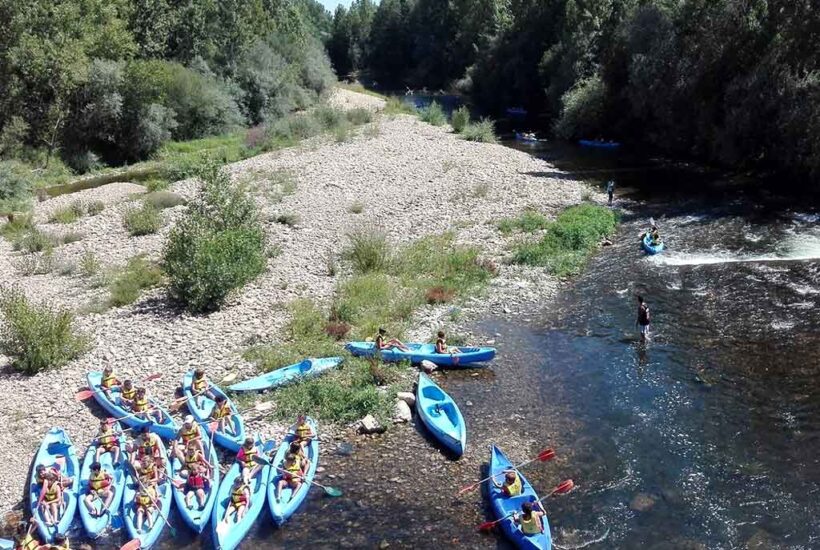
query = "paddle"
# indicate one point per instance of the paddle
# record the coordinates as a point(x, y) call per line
point(228, 378)
point(154, 502)
point(84, 394)
point(131, 545)
point(543, 456)
point(329, 491)
point(561, 489)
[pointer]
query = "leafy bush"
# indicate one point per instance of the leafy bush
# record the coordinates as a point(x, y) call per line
point(583, 109)
point(17, 225)
point(433, 114)
point(138, 274)
point(460, 119)
point(68, 214)
point(16, 184)
point(368, 250)
point(439, 295)
point(34, 240)
point(397, 106)
point(157, 184)
point(142, 220)
point(95, 207)
point(482, 131)
point(163, 199)
point(38, 263)
point(217, 247)
point(37, 337)
point(529, 221)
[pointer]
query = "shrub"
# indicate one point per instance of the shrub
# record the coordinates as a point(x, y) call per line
point(217, 247)
point(356, 208)
point(482, 131)
point(359, 116)
point(368, 250)
point(163, 199)
point(288, 219)
point(337, 330)
point(142, 220)
point(433, 114)
point(157, 184)
point(35, 336)
point(460, 119)
point(439, 295)
point(583, 109)
point(95, 207)
point(89, 265)
point(16, 183)
point(329, 117)
point(39, 263)
point(528, 222)
point(17, 225)
point(397, 106)
point(342, 132)
point(34, 240)
point(68, 214)
point(137, 275)
point(71, 237)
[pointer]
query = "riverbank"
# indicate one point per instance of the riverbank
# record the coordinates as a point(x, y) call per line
point(406, 177)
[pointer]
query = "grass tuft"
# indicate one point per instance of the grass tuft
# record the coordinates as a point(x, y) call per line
point(289, 218)
point(142, 220)
point(433, 114)
point(356, 208)
point(460, 119)
point(368, 250)
point(68, 214)
point(95, 208)
point(529, 221)
point(138, 275)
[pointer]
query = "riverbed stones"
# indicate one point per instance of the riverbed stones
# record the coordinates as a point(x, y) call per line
point(407, 397)
point(428, 366)
point(369, 425)
point(402, 412)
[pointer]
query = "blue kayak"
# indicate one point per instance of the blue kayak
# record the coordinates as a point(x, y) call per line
point(289, 502)
point(147, 537)
point(648, 247)
point(94, 525)
point(56, 451)
point(201, 406)
point(504, 506)
point(6, 544)
point(167, 429)
point(196, 516)
point(293, 373)
point(440, 414)
point(599, 144)
point(228, 535)
point(424, 352)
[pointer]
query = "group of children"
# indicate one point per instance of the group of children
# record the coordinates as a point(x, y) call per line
point(382, 344)
point(530, 518)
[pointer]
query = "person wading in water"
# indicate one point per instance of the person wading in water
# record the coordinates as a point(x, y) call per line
point(643, 319)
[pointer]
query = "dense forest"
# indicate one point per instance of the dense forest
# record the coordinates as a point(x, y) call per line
point(730, 81)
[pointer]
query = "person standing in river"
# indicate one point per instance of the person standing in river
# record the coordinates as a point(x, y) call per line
point(643, 319)
point(610, 191)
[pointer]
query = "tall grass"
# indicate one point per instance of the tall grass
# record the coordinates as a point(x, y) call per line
point(460, 119)
point(528, 221)
point(482, 131)
point(396, 106)
point(433, 114)
point(127, 285)
point(368, 250)
point(142, 220)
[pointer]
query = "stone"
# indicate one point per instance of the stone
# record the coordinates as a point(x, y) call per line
point(428, 366)
point(369, 425)
point(402, 412)
point(641, 503)
point(407, 397)
point(344, 449)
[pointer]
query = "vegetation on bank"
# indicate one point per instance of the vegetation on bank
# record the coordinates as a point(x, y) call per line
point(568, 241)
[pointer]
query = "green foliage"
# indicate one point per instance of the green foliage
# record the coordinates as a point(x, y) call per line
point(460, 119)
point(355, 207)
point(482, 131)
point(18, 225)
point(433, 114)
point(569, 240)
point(15, 186)
point(368, 250)
point(89, 264)
point(69, 213)
point(359, 116)
point(95, 207)
point(142, 220)
point(71, 237)
point(38, 263)
point(33, 240)
point(35, 336)
point(583, 109)
point(395, 106)
point(217, 247)
point(126, 285)
point(528, 221)
point(163, 199)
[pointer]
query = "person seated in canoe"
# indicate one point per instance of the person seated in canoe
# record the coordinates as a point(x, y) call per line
point(441, 344)
point(49, 474)
point(240, 498)
point(291, 475)
point(223, 415)
point(201, 388)
point(146, 445)
point(108, 441)
point(188, 433)
point(51, 502)
point(145, 502)
point(297, 449)
point(109, 381)
point(193, 459)
point(195, 485)
point(99, 488)
point(128, 392)
point(512, 484)
point(148, 472)
point(655, 235)
point(143, 408)
point(249, 459)
point(60, 543)
point(304, 433)
point(381, 345)
point(530, 519)
point(25, 539)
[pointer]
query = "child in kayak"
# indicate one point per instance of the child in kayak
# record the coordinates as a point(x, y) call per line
point(248, 458)
point(292, 475)
point(296, 449)
point(195, 486)
point(512, 484)
point(99, 488)
point(48, 474)
point(109, 382)
point(145, 504)
point(223, 414)
point(240, 498)
point(193, 460)
point(127, 394)
point(530, 519)
point(441, 344)
point(147, 471)
point(201, 388)
point(147, 445)
point(381, 345)
point(108, 442)
point(25, 540)
point(143, 407)
point(188, 433)
point(303, 431)
point(51, 501)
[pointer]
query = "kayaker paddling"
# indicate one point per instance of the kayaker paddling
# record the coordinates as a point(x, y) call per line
point(530, 519)
point(193, 460)
point(147, 445)
point(512, 484)
point(297, 450)
point(100, 488)
point(239, 499)
point(381, 345)
point(643, 319)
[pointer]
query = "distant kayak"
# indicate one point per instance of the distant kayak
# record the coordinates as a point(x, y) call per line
point(56, 451)
point(599, 144)
point(649, 248)
point(441, 415)
point(424, 352)
point(516, 111)
point(286, 375)
point(528, 138)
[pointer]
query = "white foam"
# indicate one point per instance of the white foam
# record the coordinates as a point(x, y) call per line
point(797, 247)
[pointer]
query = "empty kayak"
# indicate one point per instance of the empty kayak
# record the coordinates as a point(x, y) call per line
point(440, 414)
point(649, 248)
point(599, 144)
point(288, 502)
point(280, 377)
point(201, 407)
point(95, 524)
point(228, 534)
point(167, 428)
point(197, 515)
point(56, 451)
point(424, 352)
point(147, 536)
point(504, 506)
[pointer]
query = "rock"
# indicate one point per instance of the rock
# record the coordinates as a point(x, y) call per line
point(407, 397)
point(761, 540)
point(369, 425)
point(641, 503)
point(428, 366)
point(401, 412)
point(344, 449)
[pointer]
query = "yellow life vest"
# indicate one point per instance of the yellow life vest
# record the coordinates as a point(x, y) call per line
point(148, 471)
point(294, 468)
point(222, 411)
point(529, 526)
point(29, 543)
point(128, 394)
point(98, 481)
point(53, 492)
point(140, 405)
point(191, 461)
point(199, 384)
point(109, 382)
point(514, 489)
point(145, 499)
point(303, 431)
point(238, 495)
point(107, 438)
point(188, 435)
point(148, 445)
point(248, 457)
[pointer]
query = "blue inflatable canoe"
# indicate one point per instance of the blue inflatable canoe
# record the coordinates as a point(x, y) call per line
point(440, 414)
point(201, 406)
point(167, 429)
point(424, 352)
point(286, 375)
point(599, 144)
point(56, 451)
point(94, 525)
point(504, 506)
point(147, 536)
point(228, 534)
point(648, 247)
point(195, 516)
point(288, 502)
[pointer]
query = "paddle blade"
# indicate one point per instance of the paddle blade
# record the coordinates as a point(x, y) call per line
point(332, 491)
point(82, 395)
point(172, 530)
point(230, 377)
point(155, 376)
point(546, 454)
point(131, 545)
point(467, 489)
point(564, 487)
point(213, 426)
point(487, 526)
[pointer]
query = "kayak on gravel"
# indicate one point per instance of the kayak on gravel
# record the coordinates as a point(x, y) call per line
point(56, 453)
point(202, 407)
point(649, 247)
point(196, 515)
point(441, 415)
point(97, 522)
point(282, 508)
point(166, 429)
point(147, 536)
point(424, 352)
point(504, 506)
point(286, 375)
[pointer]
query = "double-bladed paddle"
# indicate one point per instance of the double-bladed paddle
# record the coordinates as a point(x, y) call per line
point(171, 528)
point(329, 491)
point(561, 489)
point(86, 393)
point(543, 456)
